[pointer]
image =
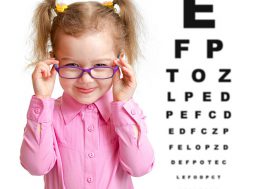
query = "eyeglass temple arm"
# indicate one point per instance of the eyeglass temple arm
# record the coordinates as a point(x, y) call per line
point(56, 66)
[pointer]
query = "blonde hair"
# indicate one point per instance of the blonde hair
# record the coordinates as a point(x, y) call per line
point(81, 17)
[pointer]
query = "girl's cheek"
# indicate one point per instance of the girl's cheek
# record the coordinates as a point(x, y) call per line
point(106, 83)
point(65, 83)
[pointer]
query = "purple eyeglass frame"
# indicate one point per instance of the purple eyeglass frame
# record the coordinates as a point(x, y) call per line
point(88, 70)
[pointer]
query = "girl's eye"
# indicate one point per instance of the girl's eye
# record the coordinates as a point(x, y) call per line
point(72, 64)
point(98, 65)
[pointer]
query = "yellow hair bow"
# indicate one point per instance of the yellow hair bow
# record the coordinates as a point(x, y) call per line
point(61, 7)
point(108, 4)
point(113, 6)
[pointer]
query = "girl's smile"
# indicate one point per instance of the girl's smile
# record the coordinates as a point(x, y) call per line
point(85, 90)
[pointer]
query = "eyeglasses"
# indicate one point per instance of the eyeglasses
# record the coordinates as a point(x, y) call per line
point(96, 72)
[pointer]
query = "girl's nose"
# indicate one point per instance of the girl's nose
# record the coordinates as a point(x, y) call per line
point(86, 78)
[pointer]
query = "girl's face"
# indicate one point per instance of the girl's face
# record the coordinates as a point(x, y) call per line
point(86, 51)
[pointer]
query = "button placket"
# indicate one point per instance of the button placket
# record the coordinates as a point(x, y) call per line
point(91, 143)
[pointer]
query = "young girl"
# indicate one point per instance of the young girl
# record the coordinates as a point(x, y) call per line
point(94, 136)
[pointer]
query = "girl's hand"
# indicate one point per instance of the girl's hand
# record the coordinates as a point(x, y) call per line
point(123, 89)
point(43, 78)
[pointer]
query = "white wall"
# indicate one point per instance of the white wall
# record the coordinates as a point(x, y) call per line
point(163, 23)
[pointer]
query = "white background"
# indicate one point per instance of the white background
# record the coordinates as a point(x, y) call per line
point(163, 22)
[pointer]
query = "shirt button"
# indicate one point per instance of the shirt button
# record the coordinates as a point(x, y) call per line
point(133, 112)
point(91, 155)
point(90, 107)
point(91, 128)
point(89, 180)
point(37, 110)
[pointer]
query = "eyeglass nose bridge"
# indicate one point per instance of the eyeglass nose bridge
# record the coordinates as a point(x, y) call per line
point(88, 70)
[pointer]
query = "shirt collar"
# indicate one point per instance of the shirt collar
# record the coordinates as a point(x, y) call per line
point(70, 107)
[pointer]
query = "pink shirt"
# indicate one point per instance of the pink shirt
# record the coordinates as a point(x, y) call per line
point(77, 146)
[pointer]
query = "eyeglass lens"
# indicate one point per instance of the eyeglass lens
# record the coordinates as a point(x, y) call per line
point(100, 72)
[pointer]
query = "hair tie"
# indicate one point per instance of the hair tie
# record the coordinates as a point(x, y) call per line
point(60, 7)
point(108, 4)
point(113, 6)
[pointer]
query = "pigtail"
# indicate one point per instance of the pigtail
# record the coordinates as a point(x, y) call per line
point(131, 22)
point(42, 20)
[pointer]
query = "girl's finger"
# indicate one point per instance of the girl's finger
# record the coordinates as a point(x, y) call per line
point(116, 76)
point(47, 68)
point(128, 75)
point(127, 71)
point(115, 62)
point(53, 71)
point(42, 69)
point(123, 62)
point(43, 72)
point(51, 61)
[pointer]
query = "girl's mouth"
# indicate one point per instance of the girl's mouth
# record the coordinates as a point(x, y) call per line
point(85, 90)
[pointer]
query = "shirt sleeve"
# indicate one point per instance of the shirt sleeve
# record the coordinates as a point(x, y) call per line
point(37, 154)
point(135, 152)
